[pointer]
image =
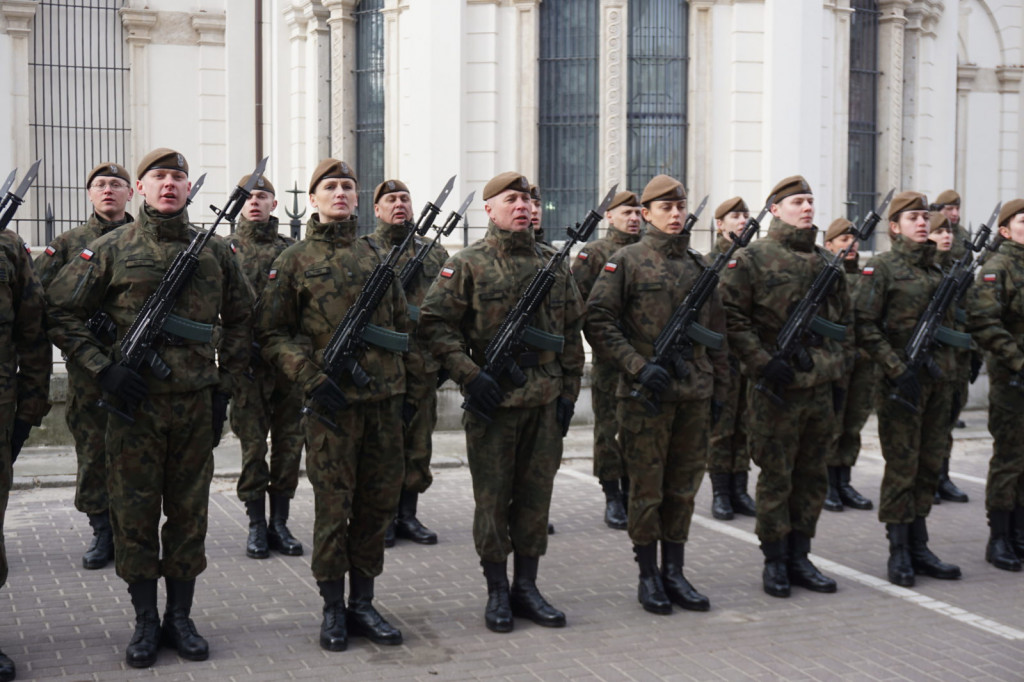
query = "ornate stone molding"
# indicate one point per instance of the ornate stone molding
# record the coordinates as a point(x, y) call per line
point(613, 94)
point(966, 74)
point(1009, 78)
point(138, 25)
point(210, 27)
point(18, 15)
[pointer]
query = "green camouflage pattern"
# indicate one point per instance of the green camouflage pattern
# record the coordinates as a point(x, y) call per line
point(590, 260)
point(6, 479)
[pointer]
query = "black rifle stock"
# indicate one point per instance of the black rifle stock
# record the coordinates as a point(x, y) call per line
point(509, 341)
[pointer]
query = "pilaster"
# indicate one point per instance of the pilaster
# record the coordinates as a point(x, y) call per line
point(212, 133)
point(966, 75)
point(342, 25)
point(138, 30)
point(699, 167)
point(391, 14)
point(891, 25)
point(1010, 105)
point(528, 51)
point(18, 16)
point(614, 82)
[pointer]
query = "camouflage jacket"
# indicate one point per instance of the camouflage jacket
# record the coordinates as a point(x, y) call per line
point(310, 288)
point(995, 311)
point(66, 246)
point(894, 291)
point(118, 272)
point(256, 246)
point(476, 289)
point(591, 259)
point(760, 287)
point(632, 301)
point(25, 356)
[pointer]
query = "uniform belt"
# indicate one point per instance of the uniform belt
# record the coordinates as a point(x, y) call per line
point(531, 358)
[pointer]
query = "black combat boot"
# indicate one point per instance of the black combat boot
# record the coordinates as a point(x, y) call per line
point(498, 615)
point(363, 619)
point(389, 534)
point(800, 569)
point(141, 651)
point(256, 544)
point(775, 576)
point(923, 559)
point(832, 501)
point(848, 494)
point(1017, 531)
point(614, 511)
point(333, 634)
point(179, 632)
point(742, 503)
point(650, 592)
point(101, 551)
point(721, 497)
point(900, 568)
point(1000, 552)
point(407, 526)
point(7, 670)
point(279, 538)
point(677, 588)
point(947, 490)
point(524, 597)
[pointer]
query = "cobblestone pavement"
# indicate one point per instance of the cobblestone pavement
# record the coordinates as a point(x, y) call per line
point(262, 617)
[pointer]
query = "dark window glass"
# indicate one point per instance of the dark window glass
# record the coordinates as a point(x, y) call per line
point(369, 161)
point(863, 136)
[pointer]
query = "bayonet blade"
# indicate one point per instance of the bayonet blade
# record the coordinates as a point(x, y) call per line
point(885, 202)
point(465, 205)
point(256, 174)
point(445, 192)
point(603, 206)
point(995, 214)
point(27, 181)
point(703, 203)
point(8, 182)
point(195, 189)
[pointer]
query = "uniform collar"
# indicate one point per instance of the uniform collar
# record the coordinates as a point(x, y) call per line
point(672, 245)
point(165, 227)
point(922, 254)
point(105, 226)
point(623, 238)
point(264, 231)
point(390, 233)
point(508, 242)
point(341, 232)
point(791, 236)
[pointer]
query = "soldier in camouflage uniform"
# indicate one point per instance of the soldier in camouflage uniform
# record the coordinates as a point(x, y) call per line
point(513, 459)
point(537, 215)
point(893, 293)
point(25, 365)
point(665, 434)
point(788, 441)
point(996, 321)
point(353, 438)
point(265, 401)
point(857, 388)
point(392, 205)
point(728, 459)
point(163, 461)
point(110, 189)
point(623, 217)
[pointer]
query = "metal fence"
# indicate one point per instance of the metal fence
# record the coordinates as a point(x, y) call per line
point(863, 136)
point(369, 106)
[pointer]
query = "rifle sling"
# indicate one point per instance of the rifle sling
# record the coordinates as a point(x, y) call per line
point(387, 339)
point(543, 340)
point(829, 330)
point(187, 329)
point(951, 337)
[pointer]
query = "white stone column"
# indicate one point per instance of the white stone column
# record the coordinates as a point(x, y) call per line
point(1009, 126)
point(138, 26)
point(17, 16)
point(318, 71)
point(391, 14)
point(614, 79)
point(528, 50)
point(343, 78)
point(212, 134)
point(965, 79)
point(700, 98)
point(891, 24)
point(297, 161)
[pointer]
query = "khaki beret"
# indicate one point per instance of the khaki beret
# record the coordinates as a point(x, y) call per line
point(730, 205)
point(663, 187)
point(503, 181)
point(624, 198)
point(948, 198)
point(787, 187)
point(1010, 209)
point(907, 201)
point(262, 184)
point(534, 192)
point(387, 187)
point(108, 170)
point(937, 221)
point(162, 158)
point(331, 168)
point(838, 228)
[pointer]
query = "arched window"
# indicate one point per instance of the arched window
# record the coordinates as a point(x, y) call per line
point(369, 161)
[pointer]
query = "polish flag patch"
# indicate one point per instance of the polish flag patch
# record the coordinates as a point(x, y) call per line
point(732, 264)
point(234, 249)
point(988, 278)
point(27, 249)
point(447, 272)
point(50, 251)
point(583, 255)
point(86, 254)
point(273, 275)
point(868, 271)
point(610, 267)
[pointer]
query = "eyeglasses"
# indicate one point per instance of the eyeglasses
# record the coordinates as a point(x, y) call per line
point(114, 185)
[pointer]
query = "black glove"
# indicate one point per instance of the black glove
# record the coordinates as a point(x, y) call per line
point(124, 383)
point(408, 412)
point(220, 414)
point(778, 372)
point(564, 409)
point(977, 362)
point(19, 434)
point(443, 375)
point(908, 386)
point(838, 398)
point(716, 411)
point(328, 395)
point(485, 391)
point(654, 378)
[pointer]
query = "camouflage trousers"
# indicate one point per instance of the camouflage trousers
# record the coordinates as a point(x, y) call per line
point(913, 446)
point(162, 462)
point(513, 462)
point(87, 423)
point(1004, 488)
point(6, 479)
point(357, 475)
point(859, 385)
point(727, 449)
point(665, 456)
point(268, 403)
point(418, 445)
point(789, 444)
point(608, 462)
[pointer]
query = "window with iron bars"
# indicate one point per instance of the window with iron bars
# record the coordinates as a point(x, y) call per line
point(863, 134)
point(369, 162)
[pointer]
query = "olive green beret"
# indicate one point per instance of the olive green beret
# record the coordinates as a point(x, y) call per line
point(948, 198)
point(503, 181)
point(937, 221)
point(162, 158)
point(1010, 209)
point(907, 201)
point(262, 184)
point(534, 192)
point(331, 168)
point(838, 228)
point(787, 187)
point(663, 187)
point(624, 198)
point(730, 205)
point(108, 170)
point(387, 187)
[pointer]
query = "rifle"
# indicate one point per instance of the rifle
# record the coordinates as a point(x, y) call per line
point(155, 321)
point(515, 332)
point(929, 330)
point(790, 342)
point(989, 246)
point(15, 198)
point(355, 331)
point(415, 264)
point(691, 219)
point(674, 345)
